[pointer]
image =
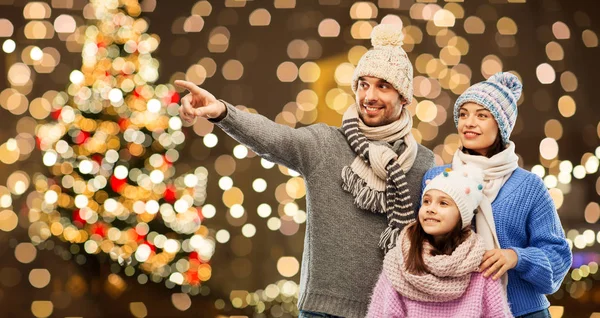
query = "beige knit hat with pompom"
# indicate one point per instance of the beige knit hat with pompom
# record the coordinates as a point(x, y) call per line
point(387, 60)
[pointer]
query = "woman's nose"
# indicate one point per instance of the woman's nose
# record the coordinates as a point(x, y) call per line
point(470, 121)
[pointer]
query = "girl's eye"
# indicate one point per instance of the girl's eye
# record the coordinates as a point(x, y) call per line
point(483, 116)
point(462, 115)
point(444, 203)
point(425, 201)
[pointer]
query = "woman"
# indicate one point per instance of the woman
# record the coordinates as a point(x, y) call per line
point(531, 247)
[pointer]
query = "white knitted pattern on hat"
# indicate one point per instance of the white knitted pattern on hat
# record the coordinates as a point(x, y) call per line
point(448, 277)
point(387, 61)
point(464, 186)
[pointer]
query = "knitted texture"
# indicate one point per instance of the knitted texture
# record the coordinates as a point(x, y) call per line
point(496, 171)
point(448, 275)
point(387, 60)
point(527, 222)
point(337, 231)
point(499, 94)
point(483, 298)
point(377, 177)
point(464, 186)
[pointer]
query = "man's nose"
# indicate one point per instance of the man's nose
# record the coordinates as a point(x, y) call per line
point(371, 95)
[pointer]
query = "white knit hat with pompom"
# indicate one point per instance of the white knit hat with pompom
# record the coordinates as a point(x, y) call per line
point(387, 60)
point(464, 186)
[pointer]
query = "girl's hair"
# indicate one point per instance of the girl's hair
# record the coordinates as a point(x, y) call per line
point(448, 243)
point(497, 147)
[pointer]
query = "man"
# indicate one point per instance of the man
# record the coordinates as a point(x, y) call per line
point(355, 175)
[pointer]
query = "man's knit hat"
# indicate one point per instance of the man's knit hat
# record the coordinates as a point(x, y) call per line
point(499, 94)
point(387, 60)
point(464, 186)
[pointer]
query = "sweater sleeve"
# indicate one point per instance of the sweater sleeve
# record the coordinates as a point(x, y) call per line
point(385, 301)
point(547, 258)
point(495, 303)
point(293, 148)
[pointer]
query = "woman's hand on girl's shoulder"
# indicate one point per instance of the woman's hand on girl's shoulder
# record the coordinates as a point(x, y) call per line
point(498, 261)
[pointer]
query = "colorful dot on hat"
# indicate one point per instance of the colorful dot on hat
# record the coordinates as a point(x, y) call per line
point(427, 181)
point(445, 173)
point(480, 187)
point(448, 169)
point(467, 190)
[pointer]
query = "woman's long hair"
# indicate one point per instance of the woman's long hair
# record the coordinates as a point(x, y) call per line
point(497, 147)
point(447, 244)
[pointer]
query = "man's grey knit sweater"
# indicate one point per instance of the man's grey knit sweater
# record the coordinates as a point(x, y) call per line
point(341, 260)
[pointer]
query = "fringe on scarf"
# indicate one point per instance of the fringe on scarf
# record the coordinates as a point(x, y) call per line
point(365, 197)
point(388, 238)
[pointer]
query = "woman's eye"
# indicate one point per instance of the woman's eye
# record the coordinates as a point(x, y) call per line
point(462, 115)
point(483, 116)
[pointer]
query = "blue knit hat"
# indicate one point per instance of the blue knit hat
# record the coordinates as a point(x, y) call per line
point(499, 94)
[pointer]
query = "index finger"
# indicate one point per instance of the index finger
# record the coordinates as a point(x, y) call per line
point(193, 88)
point(487, 255)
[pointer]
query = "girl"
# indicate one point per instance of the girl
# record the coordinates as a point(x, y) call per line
point(432, 271)
point(531, 246)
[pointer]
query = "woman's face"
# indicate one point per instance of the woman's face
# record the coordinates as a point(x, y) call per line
point(477, 128)
point(438, 214)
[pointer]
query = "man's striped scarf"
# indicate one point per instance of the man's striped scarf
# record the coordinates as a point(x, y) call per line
point(377, 178)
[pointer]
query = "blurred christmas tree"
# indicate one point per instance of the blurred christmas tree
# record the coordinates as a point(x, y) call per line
point(111, 149)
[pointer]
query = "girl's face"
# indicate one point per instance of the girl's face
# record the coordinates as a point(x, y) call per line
point(438, 214)
point(477, 128)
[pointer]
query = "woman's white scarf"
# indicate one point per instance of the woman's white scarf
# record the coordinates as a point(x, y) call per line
point(496, 170)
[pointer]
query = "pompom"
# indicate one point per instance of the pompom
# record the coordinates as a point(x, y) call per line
point(428, 181)
point(510, 81)
point(467, 190)
point(445, 173)
point(387, 34)
point(473, 173)
point(480, 187)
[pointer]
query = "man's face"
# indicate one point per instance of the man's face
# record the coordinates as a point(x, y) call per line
point(378, 102)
